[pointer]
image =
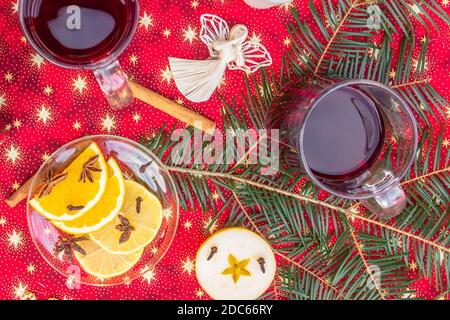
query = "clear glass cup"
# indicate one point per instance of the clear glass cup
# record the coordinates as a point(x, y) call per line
point(110, 76)
point(377, 186)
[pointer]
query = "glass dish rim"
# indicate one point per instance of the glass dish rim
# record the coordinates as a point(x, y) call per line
point(96, 136)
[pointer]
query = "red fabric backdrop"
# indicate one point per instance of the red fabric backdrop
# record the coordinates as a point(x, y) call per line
point(49, 106)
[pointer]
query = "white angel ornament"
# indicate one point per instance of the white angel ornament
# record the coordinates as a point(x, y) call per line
point(197, 79)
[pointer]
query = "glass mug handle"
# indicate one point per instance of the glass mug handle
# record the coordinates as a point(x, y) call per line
point(388, 203)
point(114, 84)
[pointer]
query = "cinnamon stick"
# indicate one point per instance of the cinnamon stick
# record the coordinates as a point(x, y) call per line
point(22, 193)
point(172, 108)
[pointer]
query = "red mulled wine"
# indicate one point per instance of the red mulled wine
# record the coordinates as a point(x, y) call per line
point(343, 135)
point(80, 32)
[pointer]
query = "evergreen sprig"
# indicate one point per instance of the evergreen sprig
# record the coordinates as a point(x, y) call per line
point(331, 247)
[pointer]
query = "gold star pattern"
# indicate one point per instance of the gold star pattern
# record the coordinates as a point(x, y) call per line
point(76, 125)
point(236, 268)
point(15, 186)
point(31, 268)
point(70, 281)
point(393, 140)
point(167, 213)
point(287, 41)
point(166, 75)
point(44, 114)
point(15, 239)
point(199, 293)
point(108, 123)
point(190, 34)
point(166, 33)
point(212, 227)
point(8, 77)
point(179, 101)
point(15, 6)
point(147, 274)
point(154, 250)
point(188, 266)
point(194, 4)
point(136, 117)
point(146, 21)
point(79, 84)
point(133, 59)
point(287, 6)
point(215, 196)
point(445, 3)
point(13, 154)
point(47, 231)
point(446, 143)
point(127, 281)
point(17, 123)
point(423, 65)
point(255, 39)
point(37, 60)
point(2, 100)
point(392, 74)
point(2, 221)
point(48, 90)
point(20, 290)
point(413, 266)
point(45, 156)
point(374, 52)
point(187, 225)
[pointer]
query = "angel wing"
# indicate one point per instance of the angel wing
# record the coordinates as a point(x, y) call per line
point(255, 56)
point(213, 28)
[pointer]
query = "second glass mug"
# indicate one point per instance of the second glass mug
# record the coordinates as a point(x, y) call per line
point(376, 183)
point(84, 34)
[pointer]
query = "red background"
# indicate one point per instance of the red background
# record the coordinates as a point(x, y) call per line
point(22, 86)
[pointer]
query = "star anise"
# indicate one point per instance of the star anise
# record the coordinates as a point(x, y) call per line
point(66, 245)
point(88, 169)
point(126, 228)
point(50, 181)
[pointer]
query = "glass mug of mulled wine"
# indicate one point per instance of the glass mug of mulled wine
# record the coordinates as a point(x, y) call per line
point(84, 34)
point(356, 139)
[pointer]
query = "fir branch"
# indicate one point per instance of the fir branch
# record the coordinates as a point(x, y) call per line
point(235, 178)
point(281, 255)
point(312, 268)
point(366, 265)
point(411, 83)
point(337, 30)
point(401, 232)
point(422, 177)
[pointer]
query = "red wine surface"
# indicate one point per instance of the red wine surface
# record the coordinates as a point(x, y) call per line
point(80, 32)
point(343, 135)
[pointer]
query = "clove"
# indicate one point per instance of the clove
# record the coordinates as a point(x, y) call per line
point(262, 263)
point(212, 253)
